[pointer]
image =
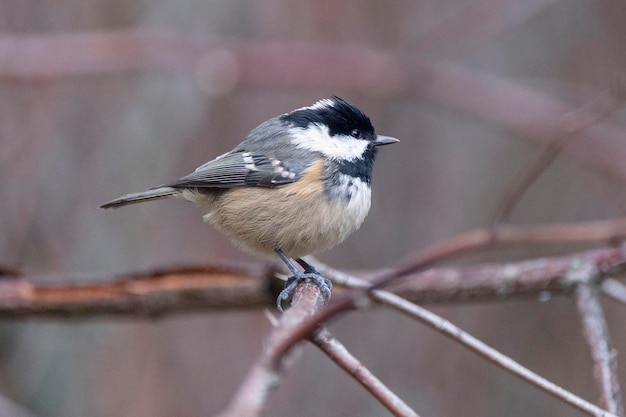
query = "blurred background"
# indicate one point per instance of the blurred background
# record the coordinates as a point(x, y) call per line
point(100, 98)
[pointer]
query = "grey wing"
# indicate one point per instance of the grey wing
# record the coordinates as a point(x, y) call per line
point(238, 169)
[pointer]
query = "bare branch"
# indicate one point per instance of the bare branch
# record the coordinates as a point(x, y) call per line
point(445, 327)
point(530, 113)
point(475, 24)
point(342, 357)
point(222, 66)
point(614, 290)
point(9, 408)
point(175, 290)
point(217, 66)
point(491, 282)
point(150, 293)
point(506, 235)
point(448, 329)
point(599, 340)
point(265, 375)
point(572, 123)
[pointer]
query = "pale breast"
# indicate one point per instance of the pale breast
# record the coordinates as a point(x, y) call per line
point(297, 218)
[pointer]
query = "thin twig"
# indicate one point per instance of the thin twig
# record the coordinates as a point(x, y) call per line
point(489, 282)
point(525, 179)
point(530, 113)
point(506, 235)
point(615, 290)
point(342, 357)
point(9, 408)
point(264, 376)
point(599, 341)
point(572, 123)
point(448, 329)
point(445, 327)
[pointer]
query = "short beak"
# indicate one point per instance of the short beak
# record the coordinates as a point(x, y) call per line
point(384, 140)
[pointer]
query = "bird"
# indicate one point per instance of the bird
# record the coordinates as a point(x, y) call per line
point(298, 184)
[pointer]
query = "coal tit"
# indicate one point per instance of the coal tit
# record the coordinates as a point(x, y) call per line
point(298, 184)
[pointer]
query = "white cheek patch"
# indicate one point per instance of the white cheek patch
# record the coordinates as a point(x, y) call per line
point(316, 138)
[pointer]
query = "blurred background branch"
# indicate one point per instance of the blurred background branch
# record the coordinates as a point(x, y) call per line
point(220, 67)
point(157, 293)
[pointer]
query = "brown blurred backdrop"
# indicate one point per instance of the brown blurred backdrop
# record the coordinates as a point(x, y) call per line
point(73, 136)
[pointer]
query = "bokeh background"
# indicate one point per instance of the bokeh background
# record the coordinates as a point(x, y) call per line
point(100, 98)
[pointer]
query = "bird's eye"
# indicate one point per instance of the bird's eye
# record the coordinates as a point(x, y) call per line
point(356, 133)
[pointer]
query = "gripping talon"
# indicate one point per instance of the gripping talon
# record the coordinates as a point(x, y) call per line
point(286, 294)
point(325, 285)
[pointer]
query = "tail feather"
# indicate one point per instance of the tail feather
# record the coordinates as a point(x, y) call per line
point(152, 194)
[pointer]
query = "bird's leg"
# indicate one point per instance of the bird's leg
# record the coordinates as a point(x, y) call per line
point(310, 269)
point(324, 284)
point(292, 268)
point(307, 266)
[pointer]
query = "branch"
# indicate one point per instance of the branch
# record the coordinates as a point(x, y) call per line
point(150, 293)
point(448, 329)
point(493, 282)
point(221, 66)
point(340, 355)
point(614, 290)
point(572, 123)
point(265, 375)
point(605, 231)
point(12, 409)
point(522, 110)
point(458, 335)
point(599, 340)
point(217, 66)
point(176, 290)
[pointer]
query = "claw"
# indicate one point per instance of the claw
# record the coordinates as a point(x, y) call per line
point(325, 285)
point(286, 294)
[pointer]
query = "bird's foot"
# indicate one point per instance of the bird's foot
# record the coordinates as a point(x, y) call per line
point(325, 285)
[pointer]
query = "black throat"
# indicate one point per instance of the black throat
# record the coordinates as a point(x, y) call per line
point(360, 168)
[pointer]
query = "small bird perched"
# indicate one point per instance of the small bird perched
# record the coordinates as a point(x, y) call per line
point(298, 184)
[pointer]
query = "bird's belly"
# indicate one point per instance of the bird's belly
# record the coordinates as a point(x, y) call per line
point(299, 220)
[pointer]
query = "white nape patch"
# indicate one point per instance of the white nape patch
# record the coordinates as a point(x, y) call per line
point(248, 161)
point(320, 104)
point(316, 138)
